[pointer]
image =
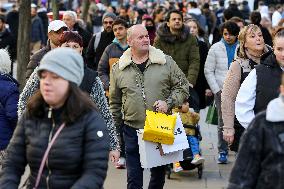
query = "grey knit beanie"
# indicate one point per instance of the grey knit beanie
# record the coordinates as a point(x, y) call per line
point(109, 14)
point(64, 62)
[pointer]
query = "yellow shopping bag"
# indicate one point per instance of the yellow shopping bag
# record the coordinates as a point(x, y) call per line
point(159, 127)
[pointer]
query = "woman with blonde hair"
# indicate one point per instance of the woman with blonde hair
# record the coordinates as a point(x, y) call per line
point(251, 47)
point(262, 84)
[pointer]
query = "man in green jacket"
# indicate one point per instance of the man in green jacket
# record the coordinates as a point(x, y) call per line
point(174, 39)
point(143, 78)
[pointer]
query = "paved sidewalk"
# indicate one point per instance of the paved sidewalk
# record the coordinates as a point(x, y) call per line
point(215, 176)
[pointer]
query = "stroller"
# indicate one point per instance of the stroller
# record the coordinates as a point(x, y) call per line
point(188, 157)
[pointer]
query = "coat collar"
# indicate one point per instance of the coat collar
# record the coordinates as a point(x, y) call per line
point(156, 56)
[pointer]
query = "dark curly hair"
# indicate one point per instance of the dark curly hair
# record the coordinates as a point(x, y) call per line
point(232, 28)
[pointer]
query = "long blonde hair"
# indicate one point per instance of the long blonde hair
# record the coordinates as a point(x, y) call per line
point(242, 38)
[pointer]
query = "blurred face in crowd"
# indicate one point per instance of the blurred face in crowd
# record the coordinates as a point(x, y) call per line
point(279, 49)
point(193, 28)
point(56, 36)
point(240, 24)
point(69, 21)
point(254, 40)
point(53, 88)
point(110, 9)
point(123, 13)
point(120, 32)
point(175, 22)
point(160, 16)
point(2, 25)
point(33, 12)
point(73, 45)
point(229, 38)
point(107, 24)
point(131, 13)
point(139, 39)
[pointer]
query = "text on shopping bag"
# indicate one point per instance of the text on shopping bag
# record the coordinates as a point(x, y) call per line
point(180, 142)
point(159, 127)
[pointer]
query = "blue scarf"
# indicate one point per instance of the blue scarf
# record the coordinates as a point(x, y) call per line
point(119, 44)
point(230, 51)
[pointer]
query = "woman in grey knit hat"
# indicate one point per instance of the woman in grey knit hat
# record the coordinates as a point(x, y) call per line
point(61, 136)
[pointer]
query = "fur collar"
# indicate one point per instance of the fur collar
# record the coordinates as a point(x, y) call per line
point(155, 56)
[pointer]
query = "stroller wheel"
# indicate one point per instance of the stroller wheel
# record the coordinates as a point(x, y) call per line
point(200, 171)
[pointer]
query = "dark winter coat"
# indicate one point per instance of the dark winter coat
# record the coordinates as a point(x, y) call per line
point(93, 55)
point(183, 49)
point(260, 164)
point(9, 96)
point(12, 19)
point(77, 160)
point(201, 82)
point(266, 35)
point(37, 32)
point(268, 74)
point(86, 36)
point(35, 59)
point(8, 41)
point(111, 55)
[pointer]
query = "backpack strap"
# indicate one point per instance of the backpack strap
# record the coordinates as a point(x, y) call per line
point(46, 155)
point(97, 40)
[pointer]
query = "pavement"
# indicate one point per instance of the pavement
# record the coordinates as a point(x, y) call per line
point(215, 176)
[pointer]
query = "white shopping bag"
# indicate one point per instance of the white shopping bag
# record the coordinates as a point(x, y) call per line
point(150, 153)
point(180, 142)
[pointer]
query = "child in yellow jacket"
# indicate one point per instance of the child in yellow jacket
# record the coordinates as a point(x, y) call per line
point(190, 118)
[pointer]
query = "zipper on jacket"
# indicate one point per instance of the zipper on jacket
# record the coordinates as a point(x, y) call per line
point(140, 76)
point(49, 140)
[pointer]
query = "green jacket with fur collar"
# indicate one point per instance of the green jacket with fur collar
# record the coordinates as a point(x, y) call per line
point(161, 80)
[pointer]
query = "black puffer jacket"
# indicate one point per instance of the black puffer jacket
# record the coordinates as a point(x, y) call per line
point(78, 159)
point(260, 162)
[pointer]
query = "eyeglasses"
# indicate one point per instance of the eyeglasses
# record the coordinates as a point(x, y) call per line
point(106, 22)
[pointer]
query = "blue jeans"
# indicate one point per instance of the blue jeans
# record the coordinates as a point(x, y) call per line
point(194, 145)
point(133, 165)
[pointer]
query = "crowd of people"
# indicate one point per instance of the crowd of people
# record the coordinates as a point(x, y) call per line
point(89, 84)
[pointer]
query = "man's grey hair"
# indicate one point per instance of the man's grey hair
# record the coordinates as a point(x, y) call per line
point(130, 30)
point(72, 14)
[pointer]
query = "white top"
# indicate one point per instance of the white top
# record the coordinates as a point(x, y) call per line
point(245, 100)
point(276, 17)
